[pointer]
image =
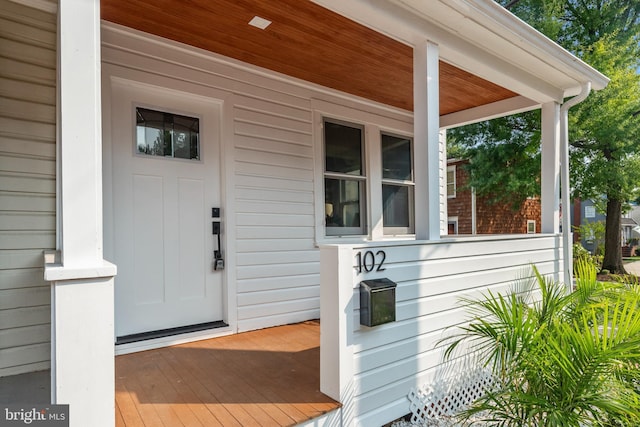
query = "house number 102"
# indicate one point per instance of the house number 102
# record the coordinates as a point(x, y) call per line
point(370, 261)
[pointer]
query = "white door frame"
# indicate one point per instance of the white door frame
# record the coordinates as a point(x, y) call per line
point(121, 75)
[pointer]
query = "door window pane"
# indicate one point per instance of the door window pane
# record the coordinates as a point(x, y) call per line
point(167, 135)
point(396, 158)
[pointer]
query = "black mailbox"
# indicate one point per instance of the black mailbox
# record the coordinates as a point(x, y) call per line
point(377, 302)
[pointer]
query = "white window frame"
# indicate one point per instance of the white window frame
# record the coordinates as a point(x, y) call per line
point(531, 226)
point(451, 168)
point(361, 179)
point(452, 220)
point(374, 121)
point(410, 184)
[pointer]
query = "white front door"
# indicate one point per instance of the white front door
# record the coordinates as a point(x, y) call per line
point(165, 183)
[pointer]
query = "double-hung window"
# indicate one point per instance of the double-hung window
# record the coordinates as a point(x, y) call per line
point(451, 181)
point(397, 184)
point(344, 179)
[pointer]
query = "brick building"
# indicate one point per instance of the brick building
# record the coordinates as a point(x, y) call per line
point(469, 214)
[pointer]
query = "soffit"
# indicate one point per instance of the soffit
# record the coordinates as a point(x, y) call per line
point(305, 41)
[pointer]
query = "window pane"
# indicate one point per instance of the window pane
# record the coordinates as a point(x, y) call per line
point(396, 158)
point(342, 203)
point(167, 135)
point(395, 202)
point(343, 149)
point(150, 134)
point(451, 182)
point(185, 137)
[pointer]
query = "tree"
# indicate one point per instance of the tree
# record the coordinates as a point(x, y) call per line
point(604, 136)
point(605, 154)
point(504, 154)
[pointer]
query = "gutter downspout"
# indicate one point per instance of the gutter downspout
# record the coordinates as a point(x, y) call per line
point(567, 250)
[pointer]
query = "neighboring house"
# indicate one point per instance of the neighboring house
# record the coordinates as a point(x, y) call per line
point(634, 213)
point(242, 175)
point(470, 214)
point(585, 211)
point(629, 238)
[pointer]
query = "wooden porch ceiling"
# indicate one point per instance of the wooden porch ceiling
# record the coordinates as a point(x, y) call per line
point(305, 41)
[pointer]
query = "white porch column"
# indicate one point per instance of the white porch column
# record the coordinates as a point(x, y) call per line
point(82, 337)
point(426, 124)
point(550, 183)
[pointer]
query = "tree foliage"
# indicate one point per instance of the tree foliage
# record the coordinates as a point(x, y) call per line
point(604, 129)
point(505, 157)
point(604, 133)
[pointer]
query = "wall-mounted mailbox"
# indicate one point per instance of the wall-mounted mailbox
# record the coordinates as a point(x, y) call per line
point(377, 302)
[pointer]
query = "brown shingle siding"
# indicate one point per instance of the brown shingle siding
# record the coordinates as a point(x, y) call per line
point(491, 218)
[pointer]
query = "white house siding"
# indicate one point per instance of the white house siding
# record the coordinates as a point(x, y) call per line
point(27, 183)
point(277, 263)
point(270, 168)
point(388, 360)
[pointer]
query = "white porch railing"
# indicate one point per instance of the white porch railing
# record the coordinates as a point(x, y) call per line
point(371, 370)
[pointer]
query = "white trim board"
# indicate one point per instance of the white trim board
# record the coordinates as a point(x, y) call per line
point(172, 340)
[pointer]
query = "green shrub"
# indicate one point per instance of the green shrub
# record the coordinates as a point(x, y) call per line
point(561, 360)
point(581, 255)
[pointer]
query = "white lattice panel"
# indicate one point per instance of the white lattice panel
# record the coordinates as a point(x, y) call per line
point(437, 403)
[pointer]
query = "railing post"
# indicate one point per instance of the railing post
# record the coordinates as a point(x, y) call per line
point(336, 326)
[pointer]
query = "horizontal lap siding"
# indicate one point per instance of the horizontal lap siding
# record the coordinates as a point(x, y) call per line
point(431, 281)
point(27, 183)
point(277, 263)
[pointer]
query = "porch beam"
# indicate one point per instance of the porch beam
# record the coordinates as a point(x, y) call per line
point(507, 107)
point(426, 123)
point(550, 182)
point(82, 301)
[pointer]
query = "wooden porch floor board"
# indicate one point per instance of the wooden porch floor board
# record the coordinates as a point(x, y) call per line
point(279, 388)
point(212, 385)
point(126, 408)
point(151, 385)
point(201, 412)
point(119, 417)
point(234, 389)
point(305, 376)
point(269, 377)
point(203, 392)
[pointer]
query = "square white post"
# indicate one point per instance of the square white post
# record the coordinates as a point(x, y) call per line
point(426, 125)
point(336, 326)
point(79, 131)
point(550, 182)
point(82, 336)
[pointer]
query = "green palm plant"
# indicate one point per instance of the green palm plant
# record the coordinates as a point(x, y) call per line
point(560, 359)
